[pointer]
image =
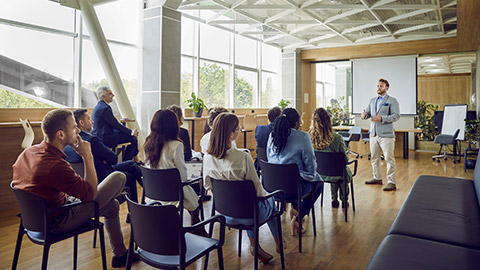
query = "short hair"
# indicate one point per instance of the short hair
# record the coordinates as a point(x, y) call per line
point(213, 113)
point(177, 110)
point(273, 113)
point(102, 90)
point(384, 81)
point(79, 114)
point(54, 121)
point(223, 126)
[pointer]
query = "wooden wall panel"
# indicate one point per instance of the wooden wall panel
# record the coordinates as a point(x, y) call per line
point(445, 89)
point(468, 26)
point(308, 87)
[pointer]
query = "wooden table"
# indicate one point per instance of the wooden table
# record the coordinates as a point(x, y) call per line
point(403, 131)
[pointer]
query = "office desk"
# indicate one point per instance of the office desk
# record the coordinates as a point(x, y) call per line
point(403, 131)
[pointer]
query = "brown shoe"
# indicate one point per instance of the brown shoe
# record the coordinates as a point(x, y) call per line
point(373, 182)
point(389, 187)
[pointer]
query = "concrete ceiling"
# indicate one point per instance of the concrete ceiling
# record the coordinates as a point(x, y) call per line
point(308, 24)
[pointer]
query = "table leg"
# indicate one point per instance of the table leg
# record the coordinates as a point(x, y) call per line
point(405, 144)
point(245, 139)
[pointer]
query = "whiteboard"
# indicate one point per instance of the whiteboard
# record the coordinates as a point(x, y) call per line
point(400, 72)
point(453, 119)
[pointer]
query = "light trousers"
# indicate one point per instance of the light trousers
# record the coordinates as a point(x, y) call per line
point(387, 146)
point(108, 206)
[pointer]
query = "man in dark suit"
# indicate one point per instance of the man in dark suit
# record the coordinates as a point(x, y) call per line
point(107, 127)
point(105, 160)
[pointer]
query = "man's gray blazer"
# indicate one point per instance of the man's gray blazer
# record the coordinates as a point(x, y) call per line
point(389, 110)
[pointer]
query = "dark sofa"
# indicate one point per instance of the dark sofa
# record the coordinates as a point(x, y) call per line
point(438, 227)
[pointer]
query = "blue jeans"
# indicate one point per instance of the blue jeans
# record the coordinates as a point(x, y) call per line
point(307, 187)
point(265, 209)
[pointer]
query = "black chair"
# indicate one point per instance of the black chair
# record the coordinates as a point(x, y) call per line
point(444, 140)
point(36, 220)
point(238, 199)
point(334, 164)
point(354, 135)
point(286, 177)
point(166, 185)
point(261, 155)
point(162, 240)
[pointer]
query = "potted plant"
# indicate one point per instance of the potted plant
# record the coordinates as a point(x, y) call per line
point(425, 120)
point(197, 105)
point(339, 111)
point(283, 103)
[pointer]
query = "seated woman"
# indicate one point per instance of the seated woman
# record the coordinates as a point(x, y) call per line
point(223, 162)
point(325, 140)
point(164, 150)
point(205, 140)
point(287, 145)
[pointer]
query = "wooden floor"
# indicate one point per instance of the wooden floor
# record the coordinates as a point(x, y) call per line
point(338, 245)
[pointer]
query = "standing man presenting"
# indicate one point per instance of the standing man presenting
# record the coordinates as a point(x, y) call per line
point(383, 111)
point(107, 127)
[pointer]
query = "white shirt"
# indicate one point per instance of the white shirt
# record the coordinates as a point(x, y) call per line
point(172, 156)
point(236, 166)
point(205, 142)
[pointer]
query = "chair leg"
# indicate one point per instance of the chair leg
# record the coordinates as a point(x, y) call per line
point(299, 219)
point(21, 231)
point(95, 238)
point(75, 251)
point(321, 201)
point(239, 248)
point(256, 235)
point(202, 214)
point(102, 247)
point(46, 249)
point(280, 238)
point(131, 250)
point(220, 259)
point(345, 197)
point(313, 216)
point(353, 196)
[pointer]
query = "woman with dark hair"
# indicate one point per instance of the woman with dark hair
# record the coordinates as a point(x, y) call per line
point(223, 162)
point(164, 150)
point(287, 145)
point(325, 140)
point(183, 135)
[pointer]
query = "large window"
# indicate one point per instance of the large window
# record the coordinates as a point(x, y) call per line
point(226, 69)
point(39, 57)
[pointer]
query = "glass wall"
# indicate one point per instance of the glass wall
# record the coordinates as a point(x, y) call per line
point(39, 56)
point(226, 69)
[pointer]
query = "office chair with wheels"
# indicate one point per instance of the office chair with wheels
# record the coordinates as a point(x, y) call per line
point(354, 135)
point(444, 140)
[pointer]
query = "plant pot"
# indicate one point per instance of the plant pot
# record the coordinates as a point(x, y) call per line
point(199, 113)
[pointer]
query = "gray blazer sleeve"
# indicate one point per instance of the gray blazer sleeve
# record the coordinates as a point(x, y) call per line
point(394, 111)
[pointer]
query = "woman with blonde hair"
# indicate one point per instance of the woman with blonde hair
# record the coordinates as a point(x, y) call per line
point(224, 162)
point(325, 140)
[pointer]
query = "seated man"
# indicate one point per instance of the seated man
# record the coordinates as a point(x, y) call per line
point(105, 159)
point(107, 127)
point(42, 170)
point(262, 132)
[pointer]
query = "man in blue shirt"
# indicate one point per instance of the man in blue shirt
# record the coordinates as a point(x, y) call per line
point(382, 110)
point(105, 160)
point(262, 132)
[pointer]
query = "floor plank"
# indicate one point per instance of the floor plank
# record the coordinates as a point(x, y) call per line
point(338, 245)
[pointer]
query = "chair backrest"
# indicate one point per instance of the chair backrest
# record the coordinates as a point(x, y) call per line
point(162, 185)
point(355, 134)
point(234, 198)
point(29, 135)
point(156, 228)
point(284, 177)
point(365, 136)
point(262, 153)
point(33, 209)
point(78, 167)
point(249, 122)
point(330, 163)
